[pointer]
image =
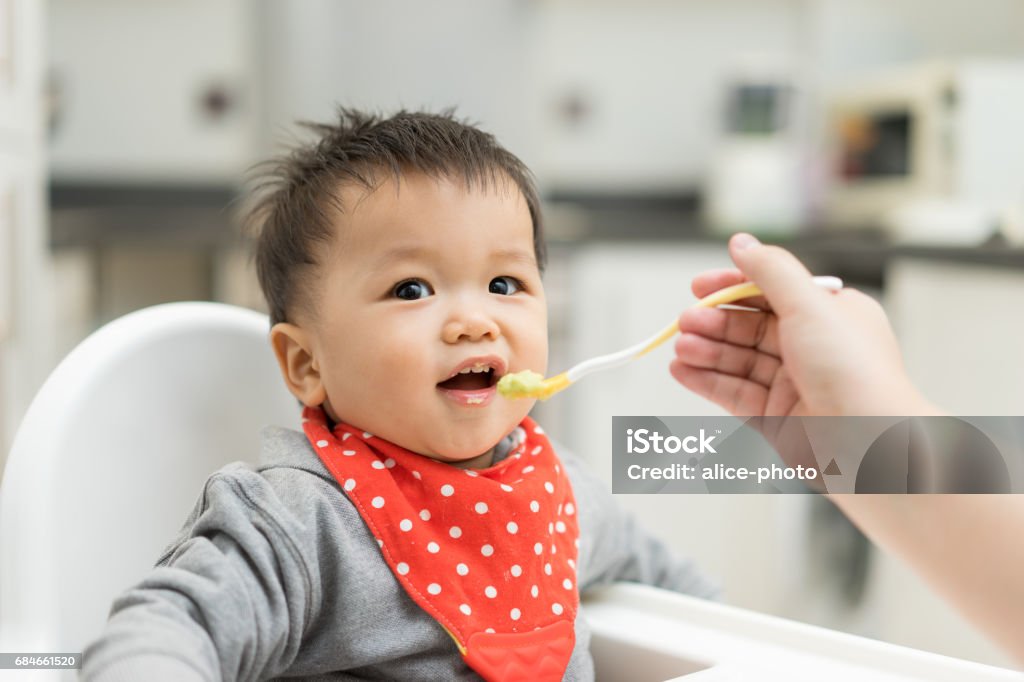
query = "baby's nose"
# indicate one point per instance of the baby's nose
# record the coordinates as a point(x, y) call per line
point(470, 325)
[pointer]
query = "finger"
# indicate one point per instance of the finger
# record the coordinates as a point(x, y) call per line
point(738, 327)
point(784, 280)
point(739, 361)
point(711, 281)
point(738, 396)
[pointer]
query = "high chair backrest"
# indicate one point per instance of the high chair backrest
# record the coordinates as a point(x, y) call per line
point(112, 454)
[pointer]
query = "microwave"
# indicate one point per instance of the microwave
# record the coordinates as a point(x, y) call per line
point(928, 152)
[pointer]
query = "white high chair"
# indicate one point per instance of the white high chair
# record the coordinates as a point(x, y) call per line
point(112, 455)
point(114, 450)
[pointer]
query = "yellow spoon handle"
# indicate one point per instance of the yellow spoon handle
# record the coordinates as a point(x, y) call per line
point(727, 295)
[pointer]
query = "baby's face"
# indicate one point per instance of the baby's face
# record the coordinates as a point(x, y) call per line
point(427, 278)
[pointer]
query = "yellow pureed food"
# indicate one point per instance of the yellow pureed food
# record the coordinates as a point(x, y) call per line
point(525, 384)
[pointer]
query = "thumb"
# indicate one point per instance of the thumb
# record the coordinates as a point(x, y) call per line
point(786, 283)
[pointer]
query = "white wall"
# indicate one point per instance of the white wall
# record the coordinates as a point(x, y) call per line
point(855, 36)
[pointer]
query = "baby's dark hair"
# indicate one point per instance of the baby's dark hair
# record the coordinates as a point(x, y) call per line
point(294, 195)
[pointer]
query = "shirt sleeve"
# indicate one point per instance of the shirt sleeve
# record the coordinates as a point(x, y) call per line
point(229, 600)
point(614, 547)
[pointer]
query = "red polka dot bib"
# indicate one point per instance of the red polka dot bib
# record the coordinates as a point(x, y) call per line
point(488, 553)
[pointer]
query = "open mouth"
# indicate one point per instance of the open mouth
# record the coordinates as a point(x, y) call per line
point(476, 378)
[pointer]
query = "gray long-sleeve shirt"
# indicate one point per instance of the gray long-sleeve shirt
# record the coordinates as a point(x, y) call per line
point(274, 574)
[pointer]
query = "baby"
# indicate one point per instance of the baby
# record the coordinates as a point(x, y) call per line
point(422, 527)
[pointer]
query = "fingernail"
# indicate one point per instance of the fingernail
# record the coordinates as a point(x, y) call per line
point(744, 241)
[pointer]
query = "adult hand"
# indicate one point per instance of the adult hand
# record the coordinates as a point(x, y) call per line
point(806, 352)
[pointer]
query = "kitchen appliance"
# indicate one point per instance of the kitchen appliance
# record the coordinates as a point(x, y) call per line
point(756, 176)
point(931, 152)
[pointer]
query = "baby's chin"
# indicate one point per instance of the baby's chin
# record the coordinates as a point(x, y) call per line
point(462, 450)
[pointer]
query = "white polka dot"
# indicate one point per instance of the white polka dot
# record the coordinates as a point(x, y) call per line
point(405, 525)
point(455, 532)
point(378, 502)
point(515, 614)
point(367, 434)
point(572, 564)
point(447, 490)
point(512, 527)
point(536, 450)
point(433, 547)
point(346, 436)
point(389, 463)
point(538, 548)
point(434, 588)
point(554, 549)
point(551, 528)
point(321, 444)
point(559, 510)
point(547, 486)
point(462, 569)
point(559, 526)
point(556, 609)
point(380, 543)
point(490, 591)
point(490, 630)
point(402, 568)
point(569, 509)
point(416, 475)
point(528, 469)
point(481, 507)
point(558, 469)
point(487, 550)
point(377, 464)
point(547, 568)
point(567, 584)
point(534, 506)
point(471, 473)
point(348, 453)
point(350, 484)
point(465, 609)
point(534, 591)
point(425, 514)
point(516, 570)
point(506, 488)
point(537, 429)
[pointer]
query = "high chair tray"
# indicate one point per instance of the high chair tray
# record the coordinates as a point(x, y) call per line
point(644, 634)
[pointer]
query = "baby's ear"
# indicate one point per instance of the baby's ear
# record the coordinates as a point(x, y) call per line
point(299, 368)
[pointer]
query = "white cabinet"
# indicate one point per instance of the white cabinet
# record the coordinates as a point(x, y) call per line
point(25, 293)
point(961, 330)
point(153, 91)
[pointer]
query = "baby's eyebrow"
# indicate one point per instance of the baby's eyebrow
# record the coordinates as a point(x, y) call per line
point(514, 255)
point(404, 253)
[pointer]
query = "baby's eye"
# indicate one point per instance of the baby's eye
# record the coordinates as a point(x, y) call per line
point(412, 289)
point(505, 285)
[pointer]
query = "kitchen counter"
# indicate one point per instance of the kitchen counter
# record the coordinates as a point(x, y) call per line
point(859, 256)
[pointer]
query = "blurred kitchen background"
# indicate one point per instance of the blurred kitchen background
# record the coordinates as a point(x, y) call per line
point(879, 139)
